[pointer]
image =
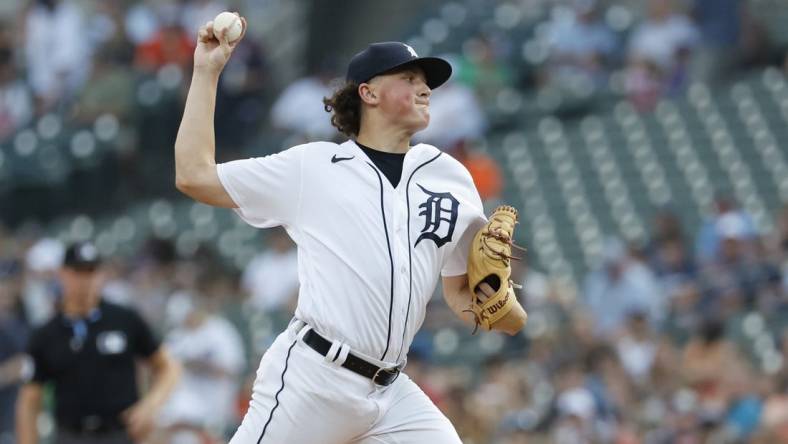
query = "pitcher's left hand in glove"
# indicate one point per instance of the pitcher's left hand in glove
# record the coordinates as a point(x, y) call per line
point(489, 269)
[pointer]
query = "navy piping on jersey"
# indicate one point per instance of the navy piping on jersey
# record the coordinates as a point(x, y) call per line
point(276, 397)
point(410, 254)
point(391, 261)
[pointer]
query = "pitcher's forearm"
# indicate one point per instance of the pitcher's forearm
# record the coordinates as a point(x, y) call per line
point(195, 146)
point(460, 304)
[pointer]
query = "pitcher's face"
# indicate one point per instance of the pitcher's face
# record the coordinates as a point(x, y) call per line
point(404, 97)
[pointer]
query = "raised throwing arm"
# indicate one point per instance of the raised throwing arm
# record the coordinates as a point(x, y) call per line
point(195, 146)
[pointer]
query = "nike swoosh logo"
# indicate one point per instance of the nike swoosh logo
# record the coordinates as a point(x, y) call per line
point(335, 159)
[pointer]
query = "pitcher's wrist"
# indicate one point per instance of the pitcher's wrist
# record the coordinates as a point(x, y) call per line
point(206, 71)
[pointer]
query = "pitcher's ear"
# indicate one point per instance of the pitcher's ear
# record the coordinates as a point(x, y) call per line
point(367, 93)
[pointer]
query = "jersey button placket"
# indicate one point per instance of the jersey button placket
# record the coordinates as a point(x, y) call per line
point(402, 236)
point(401, 242)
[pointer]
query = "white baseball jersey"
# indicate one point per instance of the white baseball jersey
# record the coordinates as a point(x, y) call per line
point(369, 254)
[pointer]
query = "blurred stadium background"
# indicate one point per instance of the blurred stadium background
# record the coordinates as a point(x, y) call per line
point(644, 142)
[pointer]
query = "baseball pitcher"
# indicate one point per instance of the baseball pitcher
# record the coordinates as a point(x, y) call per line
point(377, 223)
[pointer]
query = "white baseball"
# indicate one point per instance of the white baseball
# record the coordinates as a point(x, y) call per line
point(229, 21)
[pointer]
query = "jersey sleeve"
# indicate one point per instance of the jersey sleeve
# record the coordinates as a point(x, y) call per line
point(456, 263)
point(145, 341)
point(267, 190)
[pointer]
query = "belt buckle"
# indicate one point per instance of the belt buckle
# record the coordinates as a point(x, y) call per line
point(388, 376)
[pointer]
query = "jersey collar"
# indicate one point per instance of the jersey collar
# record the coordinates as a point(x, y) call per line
point(415, 152)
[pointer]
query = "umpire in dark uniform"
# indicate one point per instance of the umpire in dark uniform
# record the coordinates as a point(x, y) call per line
point(88, 352)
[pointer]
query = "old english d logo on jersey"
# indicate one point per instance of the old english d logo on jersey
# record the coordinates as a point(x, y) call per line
point(440, 216)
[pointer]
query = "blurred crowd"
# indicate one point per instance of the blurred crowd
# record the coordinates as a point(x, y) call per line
point(85, 58)
point(680, 339)
point(119, 69)
point(677, 339)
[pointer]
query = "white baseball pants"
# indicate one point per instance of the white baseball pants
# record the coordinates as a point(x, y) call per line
point(300, 397)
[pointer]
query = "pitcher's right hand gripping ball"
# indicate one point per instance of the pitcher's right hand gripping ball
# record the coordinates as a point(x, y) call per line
point(213, 49)
point(489, 262)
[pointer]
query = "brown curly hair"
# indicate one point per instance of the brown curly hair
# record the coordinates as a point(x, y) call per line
point(345, 105)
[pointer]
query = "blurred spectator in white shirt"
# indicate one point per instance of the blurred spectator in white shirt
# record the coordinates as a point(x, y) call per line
point(56, 50)
point(536, 285)
point(576, 408)
point(299, 108)
point(16, 101)
point(659, 54)
point(195, 13)
point(637, 347)
point(271, 278)
point(211, 352)
point(41, 286)
point(455, 115)
point(141, 21)
point(660, 37)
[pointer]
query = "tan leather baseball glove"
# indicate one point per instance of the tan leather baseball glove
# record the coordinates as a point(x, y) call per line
point(489, 262)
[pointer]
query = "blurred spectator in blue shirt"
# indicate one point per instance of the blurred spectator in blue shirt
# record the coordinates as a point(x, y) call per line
point(667, 252)
point(707, 241)
point(719, 23)
point(621, 285)
point(243, 95)
point(580, 45)
point(739, 274)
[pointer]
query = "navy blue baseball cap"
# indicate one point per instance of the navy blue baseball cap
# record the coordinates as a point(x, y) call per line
point(382, 57)
point(82, 256)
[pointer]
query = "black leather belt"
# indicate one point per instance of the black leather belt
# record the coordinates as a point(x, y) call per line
point(378, 375)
